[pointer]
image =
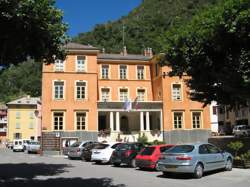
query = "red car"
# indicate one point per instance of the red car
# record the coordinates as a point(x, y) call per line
point(149, 156)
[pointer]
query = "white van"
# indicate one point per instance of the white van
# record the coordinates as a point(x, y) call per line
point(18, 145)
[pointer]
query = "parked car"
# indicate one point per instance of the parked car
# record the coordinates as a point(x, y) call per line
point(102, 153)
point(149, 156)
point(241, 130)
point(33, 147)
point(75, 150)
point(18, 145)
point(126, 153)
point(10, 145)
point(194, 158)
point(87, 151)
point(25, 143)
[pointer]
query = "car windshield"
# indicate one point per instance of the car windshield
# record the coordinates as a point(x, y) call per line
point(34, 143)
point(181, 149)
point(76, 144)
point(148, 151)
point(101, 146)
point(165, 148)
point(124, 146)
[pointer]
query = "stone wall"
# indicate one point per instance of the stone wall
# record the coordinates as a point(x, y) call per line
point(186, 136)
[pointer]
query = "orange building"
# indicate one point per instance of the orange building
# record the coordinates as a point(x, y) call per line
point(117, 97)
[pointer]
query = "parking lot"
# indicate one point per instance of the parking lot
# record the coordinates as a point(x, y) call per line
point(22, 169)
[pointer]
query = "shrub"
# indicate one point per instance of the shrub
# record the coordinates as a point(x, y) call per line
point(142, 139)
point(246, 156)
point(235, 146)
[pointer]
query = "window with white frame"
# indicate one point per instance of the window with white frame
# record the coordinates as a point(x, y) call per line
point(31, 125)
point(18, 126)
point(105, 93)
point(178, 120)
point(141, 95)
point(31, 115)
point(18, 115)
point(196, 120)
point(140, 72)
point(58, 89)
point(59, 65)
point(123, 72)
point(81, 63)
point(176, 92)
point(58, 120)
point(80, 90)
point(105, 71)
point(123, 94)
point(80, 120)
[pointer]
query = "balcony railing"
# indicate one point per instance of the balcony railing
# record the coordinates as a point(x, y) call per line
point(3, 129)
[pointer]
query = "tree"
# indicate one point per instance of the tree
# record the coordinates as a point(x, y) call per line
point(30, 29)
point(214, 50)
point(19, 80)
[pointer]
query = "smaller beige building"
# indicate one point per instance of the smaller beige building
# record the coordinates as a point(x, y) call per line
point(228, 117)
point(24, 119)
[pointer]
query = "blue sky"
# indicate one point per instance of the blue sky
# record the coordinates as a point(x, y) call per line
point(83, 15)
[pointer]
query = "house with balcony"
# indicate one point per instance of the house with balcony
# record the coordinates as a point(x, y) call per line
point(3, 123)
point(117, 97)
point(24, 121)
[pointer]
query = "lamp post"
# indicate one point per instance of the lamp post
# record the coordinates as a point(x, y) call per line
point(39, 116)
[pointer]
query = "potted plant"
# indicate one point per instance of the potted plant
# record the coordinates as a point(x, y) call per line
point(236, 146)
point(246, 159)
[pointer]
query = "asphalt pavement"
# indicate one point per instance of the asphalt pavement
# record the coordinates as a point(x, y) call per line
point(22, 169)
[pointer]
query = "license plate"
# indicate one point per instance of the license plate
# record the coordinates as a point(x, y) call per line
point(170, 166)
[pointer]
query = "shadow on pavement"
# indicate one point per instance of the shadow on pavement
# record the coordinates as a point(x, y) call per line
point(62, 182)
point(29, 171)
point(187, 176)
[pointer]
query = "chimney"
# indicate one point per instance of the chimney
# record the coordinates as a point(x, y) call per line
point(124, 51)
point(103, 50)
point(148, 52)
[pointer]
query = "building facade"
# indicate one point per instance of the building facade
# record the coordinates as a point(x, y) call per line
point(118, 97)
point(24, 121)
point(229, 117)
point(3, 123)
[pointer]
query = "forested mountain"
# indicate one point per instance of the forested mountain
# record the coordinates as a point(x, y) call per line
point(143, 26)
point(20, 80)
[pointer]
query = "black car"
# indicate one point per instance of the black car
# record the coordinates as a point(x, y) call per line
point(87, 151)
point(126, 153)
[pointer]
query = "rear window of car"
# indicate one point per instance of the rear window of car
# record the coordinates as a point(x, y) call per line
point(181, 149)
point(165, 148)
point(101, 146)
point(148, 151)
point(115, 145)
point(76, 144)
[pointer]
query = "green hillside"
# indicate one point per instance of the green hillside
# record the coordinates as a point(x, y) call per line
point(143, 28)
point(143, 25)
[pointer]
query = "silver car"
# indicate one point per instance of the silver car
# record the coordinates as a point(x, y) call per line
point(33, 147)
point(194, 158)
point(75, 150)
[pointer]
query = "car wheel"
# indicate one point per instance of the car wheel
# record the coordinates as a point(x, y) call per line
point(116, 164)
point(198, 172)
point(229, 165)
point(165, 173)
point(132, 163)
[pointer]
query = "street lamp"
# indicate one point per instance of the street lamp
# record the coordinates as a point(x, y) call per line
point(39, 116)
